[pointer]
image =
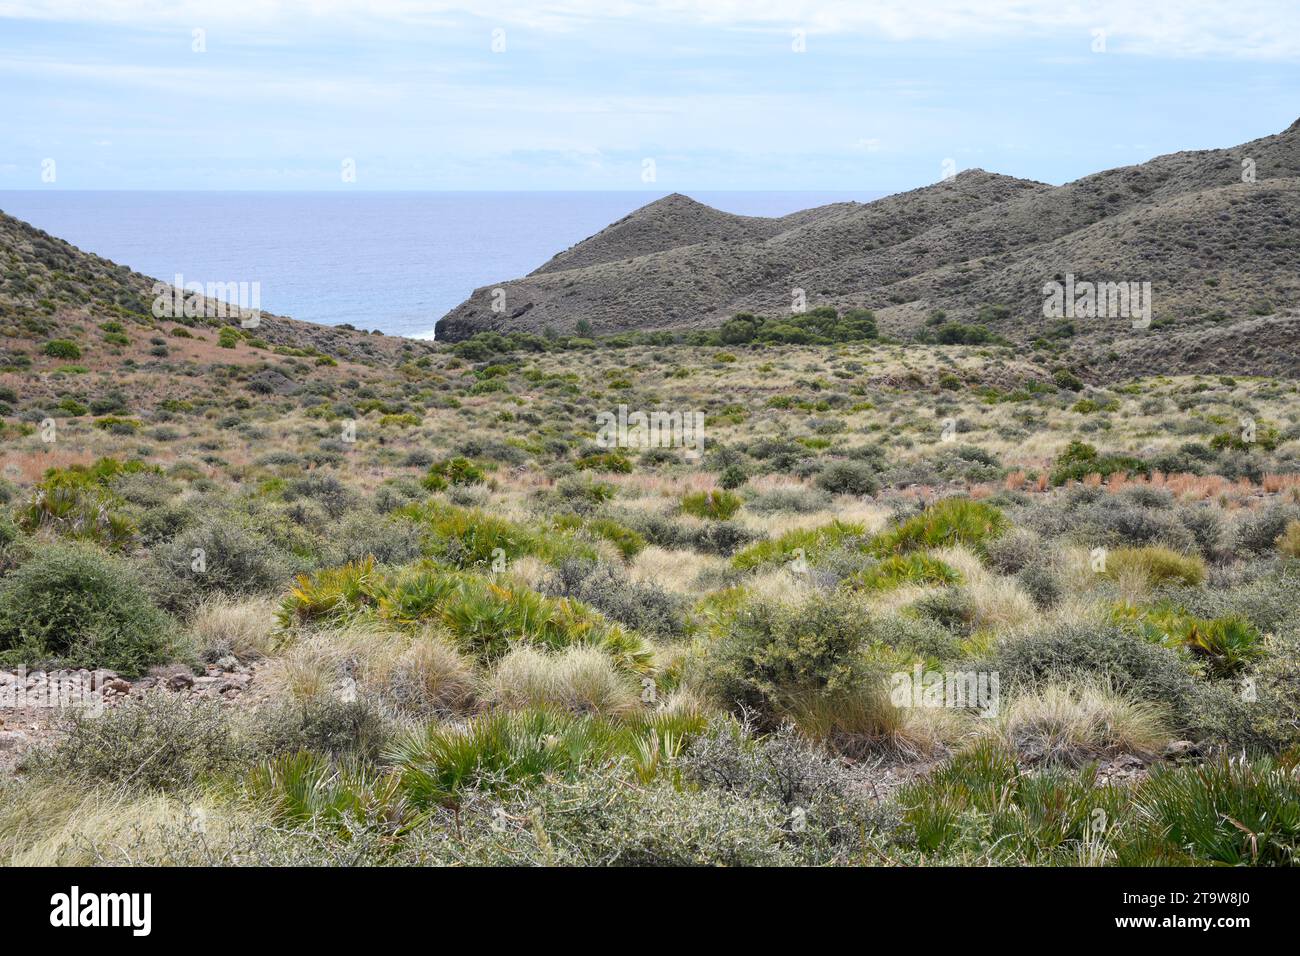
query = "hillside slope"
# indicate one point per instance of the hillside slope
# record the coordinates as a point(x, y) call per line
point(113, 345)
point(1214, 247)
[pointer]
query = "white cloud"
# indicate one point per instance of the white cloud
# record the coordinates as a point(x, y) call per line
point(1268, 29)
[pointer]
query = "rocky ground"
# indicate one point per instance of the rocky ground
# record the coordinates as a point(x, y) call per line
point(30, 715)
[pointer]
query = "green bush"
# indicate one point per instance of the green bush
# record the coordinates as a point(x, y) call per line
point(80, 512)
point(1098, 650)
point(628, 542)
point(979, 808)
point(160, 742)
point(610, 461)
point(73, 606)
point(782, 661)
point(897, 570)
point(732, 477)
point(216, 556)
point(848, 478)
point(453, 471)
point(494, 751)
point(470, 538)
point(1081, 459)
point(1157, 565)
point(809, 543)
point(1229, 810)
point(717, 505)
point(952, 521)
point(62, 349)
point(575, 823)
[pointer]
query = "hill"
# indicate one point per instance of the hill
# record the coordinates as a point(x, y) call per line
point(978, 247)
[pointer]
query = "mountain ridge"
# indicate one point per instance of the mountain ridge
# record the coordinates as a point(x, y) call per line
point(956, 246)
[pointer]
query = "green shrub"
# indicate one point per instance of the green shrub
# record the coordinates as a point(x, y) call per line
point(501, 749)
point(1064, 378)
point(1156, 565)
point(809, 543)
point(803, 663)
point(332, 594)
point(610, 461)
point(118, 425)
point(979, 808)
point(628, 542)
point(717, 505)
point(644, 607)
point(952, 521)
point(324, 725)
point(486, 619)
point(1229, 810)
point(62, 349)
point(160, 742)
point(575, 823)
point(81, 512)
point(309, 790)
point(1083, 650)
point(897, 570)
point(453, 471)
point(73, 606)
point(217, 556)
point(732, 477)
point(848, 478)
point(470, 538)
point(1081, 459)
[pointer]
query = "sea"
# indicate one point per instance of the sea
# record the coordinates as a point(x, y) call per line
point(392, 261)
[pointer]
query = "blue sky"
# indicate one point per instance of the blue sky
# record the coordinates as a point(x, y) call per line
point(584, 93)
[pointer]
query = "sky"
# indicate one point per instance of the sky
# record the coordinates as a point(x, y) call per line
point(626, 95)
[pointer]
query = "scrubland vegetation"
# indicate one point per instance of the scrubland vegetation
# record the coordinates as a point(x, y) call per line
point(475, 635)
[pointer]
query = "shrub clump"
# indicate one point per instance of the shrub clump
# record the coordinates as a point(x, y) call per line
point(1081, 459)
point(945, 523)
point(73, 606)
point(1155, 565)
point(161, 742)
point(805, 664)
point(716, 505)
point(62, 348)
point(1094, 650)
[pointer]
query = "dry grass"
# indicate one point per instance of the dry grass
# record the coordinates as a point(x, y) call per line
point(675, 571)
point(1074, 723)
point(244, 628)
point(430, 677)
point(54, 825)
point(579, 679)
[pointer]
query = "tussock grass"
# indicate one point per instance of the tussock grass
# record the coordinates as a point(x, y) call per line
point(1074, 723)
point(227, 626)
point(580, 680)
point(47, 823)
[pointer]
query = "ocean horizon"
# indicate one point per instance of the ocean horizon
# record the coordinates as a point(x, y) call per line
point(395, 262)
